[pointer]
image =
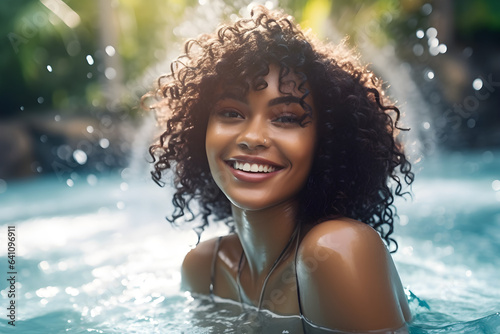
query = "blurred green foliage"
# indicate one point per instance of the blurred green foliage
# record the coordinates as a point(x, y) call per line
point(476, 16)
point(43, 60)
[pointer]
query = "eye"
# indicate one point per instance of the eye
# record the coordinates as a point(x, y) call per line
point(229, 113)
point(287, 119)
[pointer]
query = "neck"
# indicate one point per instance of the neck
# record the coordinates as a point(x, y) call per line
point(264, 234)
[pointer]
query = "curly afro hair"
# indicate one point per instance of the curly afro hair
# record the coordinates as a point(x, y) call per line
point(359, 165)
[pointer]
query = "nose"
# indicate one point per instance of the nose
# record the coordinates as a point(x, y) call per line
point(254, 134)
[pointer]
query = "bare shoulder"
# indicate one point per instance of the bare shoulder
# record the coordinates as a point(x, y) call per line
point(197, 265)
point(347, 278)
point(341, 237)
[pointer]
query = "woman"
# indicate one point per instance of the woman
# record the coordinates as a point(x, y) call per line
point(288, 141)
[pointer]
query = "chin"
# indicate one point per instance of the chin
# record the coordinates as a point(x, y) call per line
point(256, 202)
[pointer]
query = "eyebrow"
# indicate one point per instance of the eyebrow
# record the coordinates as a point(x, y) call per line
point(285, 99)
point(279, 100)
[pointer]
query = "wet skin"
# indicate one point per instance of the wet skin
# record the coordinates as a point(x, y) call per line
point(347, 278)
point(261, 129)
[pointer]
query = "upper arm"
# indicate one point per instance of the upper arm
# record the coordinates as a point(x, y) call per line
point(197, 266)
point(347, 278)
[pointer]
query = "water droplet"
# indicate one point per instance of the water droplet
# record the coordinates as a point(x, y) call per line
point(110, 50)
point(90, 129)
point(126, 173)
point(40, 100)
point(418, 50)
point(488, 157)
point(104, 143)
point(73, 48)
point(477, 84)
point(43, 138)
point(430, 75)
point(120, 205)
point(49, 68)
point(420, 33)
point(426, 125)
point(80, 156)
point(47, 292)
point(495, 185)
point(92, 179)
point(110, 73)
point(44, 265)
point(89, 75)
point(57, 118)
point(70, 182)
point(433, 50)
point(202, 2)
point(431, 32)
point(467, 52)
point(403, 220)
point(21, 108)
point(426, 9)
point(63, 266)
point(442, 48)
point(72, 292)
point(433, 42)
point(124, 186)
point(3, 186)
point(90, 60)
point(63, 152)
point(408, 250)
point(468, 273)
point(471, 123)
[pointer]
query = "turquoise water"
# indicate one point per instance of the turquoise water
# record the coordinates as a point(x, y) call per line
point(98, 257)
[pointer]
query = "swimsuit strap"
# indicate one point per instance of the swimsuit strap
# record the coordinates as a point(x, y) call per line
point(214, 260)
point(298, 289)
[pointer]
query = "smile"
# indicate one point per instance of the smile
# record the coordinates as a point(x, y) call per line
point(253, 168)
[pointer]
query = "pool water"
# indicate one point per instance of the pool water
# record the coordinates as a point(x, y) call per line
point(99, 257)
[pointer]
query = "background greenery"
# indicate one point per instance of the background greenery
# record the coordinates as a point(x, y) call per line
point(56, 63)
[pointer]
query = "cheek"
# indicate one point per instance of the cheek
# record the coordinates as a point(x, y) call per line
point(211, 147)
point(211, 142)
point(214, 148)
point(303, 149)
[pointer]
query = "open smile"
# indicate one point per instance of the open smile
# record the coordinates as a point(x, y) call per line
point(252, 169)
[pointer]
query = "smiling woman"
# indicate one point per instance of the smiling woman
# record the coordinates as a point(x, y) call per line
point(288, 141)
point(256, 144)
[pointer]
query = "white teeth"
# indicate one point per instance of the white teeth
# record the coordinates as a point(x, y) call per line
point(253, 168)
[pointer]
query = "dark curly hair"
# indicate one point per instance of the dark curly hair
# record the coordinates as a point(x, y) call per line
point(355, 169)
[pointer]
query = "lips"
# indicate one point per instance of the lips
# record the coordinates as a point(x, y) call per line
point(252, 169)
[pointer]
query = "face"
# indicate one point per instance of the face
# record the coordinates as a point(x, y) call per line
point(259, 154)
